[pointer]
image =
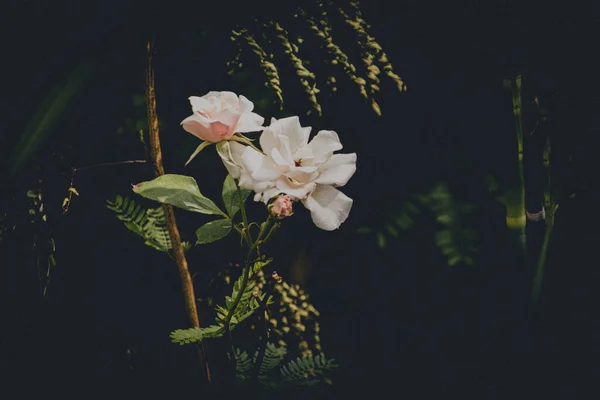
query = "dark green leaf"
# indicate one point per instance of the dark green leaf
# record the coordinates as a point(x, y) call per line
point(213, 231)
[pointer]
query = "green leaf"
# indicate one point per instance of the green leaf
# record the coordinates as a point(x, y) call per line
point(213, 231)
point(232, 196)
point(381, 240)
point(260, 264)
point(180, 191)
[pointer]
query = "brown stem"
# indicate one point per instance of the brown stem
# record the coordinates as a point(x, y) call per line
point(156, 158)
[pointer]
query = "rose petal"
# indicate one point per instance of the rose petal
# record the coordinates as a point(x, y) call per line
point(199, 127)
point(245, 105)
point(269, 194)
point(329, 207)
point(338, 170)
point(296, 190)
point(305, 154)
point(296, 134)
point(199, 104)
point(267, 171)
point(229, 100)
point(249, 122)
point(269, 138)
point(283, 164)
point(303, 174)
point(226, 117)
point(324, 144)
point(251, 159)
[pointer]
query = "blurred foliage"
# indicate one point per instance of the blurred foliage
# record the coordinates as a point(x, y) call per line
point(311, 30)
point(43, 245)
point(49, 113)
point(273, 373)
point(455, 238)
point(249, 299)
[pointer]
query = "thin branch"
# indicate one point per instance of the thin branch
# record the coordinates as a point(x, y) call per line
point(67, 200)
point(178, 253)
point(106, 164)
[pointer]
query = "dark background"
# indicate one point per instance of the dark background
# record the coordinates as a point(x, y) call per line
point(399, 320)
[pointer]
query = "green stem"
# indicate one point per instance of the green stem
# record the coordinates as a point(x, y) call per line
point(539, 272)
point(264, 227)
point(550, 209)
point(263, 345)
point(246, 231)
point(273, 229)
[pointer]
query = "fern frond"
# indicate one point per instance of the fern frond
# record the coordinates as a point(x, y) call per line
point(307, 370)
point(273, 357)
point(194, 335)
point(150, 224)
point(243, 365)
point(455, 238)
point(456, 241)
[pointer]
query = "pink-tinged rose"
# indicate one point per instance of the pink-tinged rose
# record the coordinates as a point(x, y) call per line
point(281, 207)
point(218, 116)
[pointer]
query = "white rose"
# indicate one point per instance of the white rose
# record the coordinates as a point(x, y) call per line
point(305, 171)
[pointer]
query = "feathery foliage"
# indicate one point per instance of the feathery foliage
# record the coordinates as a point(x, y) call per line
point(293, 321)
point(455, 238)
point(230, 315)
point(308, 370)
point(274, 373)
point(272, 359)
point(243, 366)
point(150, 224)
point(290, 42)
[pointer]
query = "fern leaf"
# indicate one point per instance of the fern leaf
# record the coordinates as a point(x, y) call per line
point(243, 365)
point(307, 370)
point(193, 335)
point(150, 224)
point(273, 357)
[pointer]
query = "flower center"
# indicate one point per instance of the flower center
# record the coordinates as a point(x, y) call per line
point(298, 162)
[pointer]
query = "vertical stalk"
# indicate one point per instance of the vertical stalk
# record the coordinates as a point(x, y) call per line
point(550, 206)
point(177, 248)
point(514, 198)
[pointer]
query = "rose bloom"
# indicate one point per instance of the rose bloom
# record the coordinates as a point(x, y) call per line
point(303, 170)
point(218, 115)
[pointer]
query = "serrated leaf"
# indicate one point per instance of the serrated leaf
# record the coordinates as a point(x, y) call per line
point(180, 191)
point(213, 231)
